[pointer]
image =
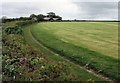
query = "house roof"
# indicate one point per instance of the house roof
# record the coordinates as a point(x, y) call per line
point(55, 18)
point(47, 18)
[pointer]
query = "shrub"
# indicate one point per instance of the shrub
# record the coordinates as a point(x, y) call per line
point(13, 30)
point(58, 71)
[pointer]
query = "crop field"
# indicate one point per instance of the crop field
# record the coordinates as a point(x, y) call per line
point(93, 45)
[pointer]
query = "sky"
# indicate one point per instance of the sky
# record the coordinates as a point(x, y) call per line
point(67, 9)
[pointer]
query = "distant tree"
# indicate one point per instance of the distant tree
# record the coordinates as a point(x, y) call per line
point(51, 14)
point(60, 18)
point(4, 19)
point(75, 20)
point(32, 16)
point(40, 17)
point(24, 18)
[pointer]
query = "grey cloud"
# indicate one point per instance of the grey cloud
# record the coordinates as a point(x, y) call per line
point(97, 10)
point(13, 9)
point(84, 10)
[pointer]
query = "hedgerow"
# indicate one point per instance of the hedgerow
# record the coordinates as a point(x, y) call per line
point(22, 62)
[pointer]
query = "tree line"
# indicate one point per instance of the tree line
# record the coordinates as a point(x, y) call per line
point(37, 18)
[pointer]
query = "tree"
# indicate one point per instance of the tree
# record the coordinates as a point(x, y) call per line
point(59, 18)
point(4, 19)
point(40, 17)
point(32, 16)
point(51, 14)
point(24, 18)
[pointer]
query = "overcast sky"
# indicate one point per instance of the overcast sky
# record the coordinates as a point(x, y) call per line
point(68, 9)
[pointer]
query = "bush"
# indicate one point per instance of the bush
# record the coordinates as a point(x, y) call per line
point(13, 30)
point(58, 71)
point(21, 62)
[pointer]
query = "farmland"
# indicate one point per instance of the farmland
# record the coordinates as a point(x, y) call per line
point(25, 59)
point(54, 51)
point(93, 45)
point(100, 37)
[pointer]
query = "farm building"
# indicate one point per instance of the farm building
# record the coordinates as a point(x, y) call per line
point(55, 18)
point(50, 19)
point(47, 19)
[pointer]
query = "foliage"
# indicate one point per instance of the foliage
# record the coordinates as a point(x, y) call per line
point(24, 18)
point(11, 67)
point(13, 30)
point(32, 16)
point(31, 19)
point(20, 61)
point(55, 72)
point(51, 14)
point(34, 61)
point(40, 17)
point(28, 22)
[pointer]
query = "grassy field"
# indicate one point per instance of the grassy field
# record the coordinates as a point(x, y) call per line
point(98, 36)
point(81, 74)
point(90, 44)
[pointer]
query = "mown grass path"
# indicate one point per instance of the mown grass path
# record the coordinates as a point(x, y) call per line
point(81, 72)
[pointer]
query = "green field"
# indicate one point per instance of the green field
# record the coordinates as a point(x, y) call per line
point(82, 74)
point(101, 37)
point(90, 44)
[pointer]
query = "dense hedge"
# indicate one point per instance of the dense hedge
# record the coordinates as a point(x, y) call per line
point(23, 23)
point(22, 62)
point(17, 29)
point(13, 30)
